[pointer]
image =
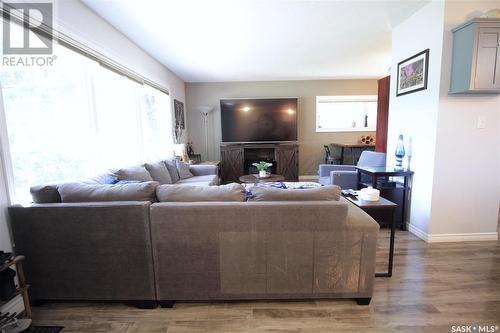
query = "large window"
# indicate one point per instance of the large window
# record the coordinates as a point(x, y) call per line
point(346, 113)
point(77, 118)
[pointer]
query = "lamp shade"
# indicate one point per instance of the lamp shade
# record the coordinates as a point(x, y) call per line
point(205, 109)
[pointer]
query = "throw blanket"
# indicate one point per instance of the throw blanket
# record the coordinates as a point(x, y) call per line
point(283, 185)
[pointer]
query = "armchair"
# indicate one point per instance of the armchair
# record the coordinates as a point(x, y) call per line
point(345, 176)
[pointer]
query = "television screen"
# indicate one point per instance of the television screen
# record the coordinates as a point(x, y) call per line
point(257, 120)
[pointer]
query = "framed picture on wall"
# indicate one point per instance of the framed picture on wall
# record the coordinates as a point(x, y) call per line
point(179, 114)
point(412, 73)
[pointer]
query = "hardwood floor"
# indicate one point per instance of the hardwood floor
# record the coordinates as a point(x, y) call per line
point(433, 287)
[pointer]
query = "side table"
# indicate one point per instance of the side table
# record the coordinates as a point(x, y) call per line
point(397, 190)
point(381, 211)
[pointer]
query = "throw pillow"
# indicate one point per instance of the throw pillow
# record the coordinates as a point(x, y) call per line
point(329, 192)
point(171, 164)
point(103, 178)
point(137, 172)
point(192, 193)
point(79, 192)
point(159, 172)
point(45, 194)
point(183, 169)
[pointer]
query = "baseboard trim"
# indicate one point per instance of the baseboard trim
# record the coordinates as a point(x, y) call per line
point(308, 178)
point(473, 237)
point(417, 231)
point(444, 238)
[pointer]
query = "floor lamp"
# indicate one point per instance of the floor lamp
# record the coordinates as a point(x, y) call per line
point(204, 111)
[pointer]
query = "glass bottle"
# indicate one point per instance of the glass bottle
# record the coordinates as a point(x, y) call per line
point(400, 151)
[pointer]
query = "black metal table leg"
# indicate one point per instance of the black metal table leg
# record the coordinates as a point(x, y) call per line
point(391, 250)
point(405, 190)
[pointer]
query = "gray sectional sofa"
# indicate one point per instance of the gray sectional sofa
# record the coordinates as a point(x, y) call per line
point(196, 243)
point(86, 251)
point(262, 250)
point(134, 183)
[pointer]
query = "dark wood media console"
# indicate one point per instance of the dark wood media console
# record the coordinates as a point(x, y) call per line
point(236, 159)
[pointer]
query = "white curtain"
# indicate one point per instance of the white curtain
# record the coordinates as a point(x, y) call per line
point(76, 118)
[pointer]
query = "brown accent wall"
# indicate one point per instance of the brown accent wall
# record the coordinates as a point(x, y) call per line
point(384, 86)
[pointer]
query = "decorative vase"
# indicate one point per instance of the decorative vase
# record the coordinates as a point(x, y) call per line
point(262, 173)
point(400, 151)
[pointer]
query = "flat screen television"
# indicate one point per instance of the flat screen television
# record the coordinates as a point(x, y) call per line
point(259, 120)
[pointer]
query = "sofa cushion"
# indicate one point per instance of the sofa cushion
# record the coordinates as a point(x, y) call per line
point(79, 192)
point(159, 172)
point(200, 183)
point(128, 181)
point(45, 194)
point(203, 169)
point(329, 192)
point(191, 193)
point(207, 180)
point(137, 172)
point(183, 170)
point(171, 164)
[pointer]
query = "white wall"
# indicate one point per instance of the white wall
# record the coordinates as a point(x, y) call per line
point(415, 114)
point(456, 188)
point(467, 169)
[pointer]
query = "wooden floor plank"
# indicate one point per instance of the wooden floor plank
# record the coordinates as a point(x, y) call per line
point(433, 287)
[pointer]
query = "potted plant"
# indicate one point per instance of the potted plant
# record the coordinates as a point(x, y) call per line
point(262, 167)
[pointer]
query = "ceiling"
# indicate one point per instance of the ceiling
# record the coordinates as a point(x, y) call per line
point(255, 40)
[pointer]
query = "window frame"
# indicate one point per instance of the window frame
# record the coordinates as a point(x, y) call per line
point(91, 74)
point(343, 98)
point(5, 156)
